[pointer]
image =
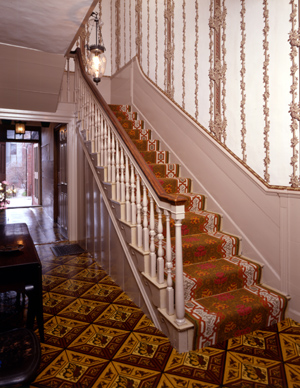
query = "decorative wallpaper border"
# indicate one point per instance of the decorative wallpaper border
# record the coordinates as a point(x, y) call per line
point(218, 67)
point(118, 33)
point(156, 40)
point(242, 82)
point(138, 29)
point(183, 51)
point(266, 94)
point(169, 47)
point(294, 39)
point(196, 59)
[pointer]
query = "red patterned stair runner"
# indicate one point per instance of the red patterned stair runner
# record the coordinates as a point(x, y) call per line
point(223, 295)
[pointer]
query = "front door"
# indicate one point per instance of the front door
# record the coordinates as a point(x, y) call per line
point(62, 216)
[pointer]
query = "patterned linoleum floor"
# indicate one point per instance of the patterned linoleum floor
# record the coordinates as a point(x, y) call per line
point(95, 336)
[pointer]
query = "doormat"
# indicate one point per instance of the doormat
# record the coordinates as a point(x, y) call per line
point(65, 250)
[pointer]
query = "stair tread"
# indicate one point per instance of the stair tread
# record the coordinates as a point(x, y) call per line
point(155, 157)
point(256, 305)
point(219, 276)
point(131, 124)
point(176, 185)
point(207, 246)
point(139, 134)
point(201, 221)
point(146, 145)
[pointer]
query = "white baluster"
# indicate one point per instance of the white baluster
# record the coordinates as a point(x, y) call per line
point(105, 145)
point(127, 187)
point(179, 287)
point(113, 159)
point(97, 130)
point(145, 220)
point(101, 141)
point(122, 168)
point(169, 266)
point(160, 260)
point(92, 127)
point(118, 173)
point(152, 236)
point(133, 204)
point(87, 117)
point(108, 154)
point(139, 229)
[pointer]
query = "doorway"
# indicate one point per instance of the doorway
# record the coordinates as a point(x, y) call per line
point(20, 170)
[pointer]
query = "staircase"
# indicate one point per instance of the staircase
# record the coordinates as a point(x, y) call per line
point(224, 297)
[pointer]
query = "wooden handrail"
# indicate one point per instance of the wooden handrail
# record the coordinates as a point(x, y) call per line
point(173, 199)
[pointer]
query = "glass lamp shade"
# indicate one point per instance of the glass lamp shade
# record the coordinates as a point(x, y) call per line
point(20, 128)
point(96, 62)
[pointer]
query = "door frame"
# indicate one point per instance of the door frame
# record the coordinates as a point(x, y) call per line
point(61, 217)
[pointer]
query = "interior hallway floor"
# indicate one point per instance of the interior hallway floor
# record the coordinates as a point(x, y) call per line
point(96, 337)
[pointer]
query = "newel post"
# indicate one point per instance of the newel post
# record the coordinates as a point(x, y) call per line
point(178, 214)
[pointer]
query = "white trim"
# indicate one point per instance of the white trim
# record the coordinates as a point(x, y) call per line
point(63, 114)
point(72, 181)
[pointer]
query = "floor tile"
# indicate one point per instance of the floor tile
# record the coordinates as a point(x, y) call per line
point(119, 317)
point(72, 287)
point(144, 350)
point(60, 331)
point(84, 310)
point(117, 375)
point(100, 341)
point(71, 370)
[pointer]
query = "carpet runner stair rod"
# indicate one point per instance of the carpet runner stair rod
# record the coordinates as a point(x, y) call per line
point(181, 246)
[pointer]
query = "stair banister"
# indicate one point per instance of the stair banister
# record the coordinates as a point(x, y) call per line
point(139, 229)
point(122, 167)
point(145, 220)
point(101, 140)
point(111, 156)
point(131, 159)
point(127, 191)
point(169, 266)
point(160, 260)
point(118, 172)
point(109, 152)
point(133, 200)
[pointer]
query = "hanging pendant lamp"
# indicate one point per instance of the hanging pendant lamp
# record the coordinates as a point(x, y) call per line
point(96, 60)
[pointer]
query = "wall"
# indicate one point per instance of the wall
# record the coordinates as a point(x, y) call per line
point(227, 64)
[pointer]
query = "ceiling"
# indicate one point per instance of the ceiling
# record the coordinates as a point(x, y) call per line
point(35, 36)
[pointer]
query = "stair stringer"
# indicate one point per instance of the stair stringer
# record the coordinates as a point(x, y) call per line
point(153, 293)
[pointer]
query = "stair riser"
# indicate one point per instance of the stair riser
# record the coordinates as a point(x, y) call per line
point(136, 134)
point(146, 145)
point(132, 124)
point(203, 247)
